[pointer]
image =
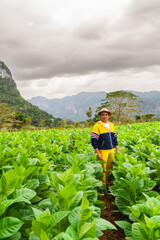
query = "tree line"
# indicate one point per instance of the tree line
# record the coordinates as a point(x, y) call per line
point(125, 107)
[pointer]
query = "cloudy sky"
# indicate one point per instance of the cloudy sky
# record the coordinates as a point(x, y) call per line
point(57, 48)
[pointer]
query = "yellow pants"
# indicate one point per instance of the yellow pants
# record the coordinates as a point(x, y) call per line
point(107, 157)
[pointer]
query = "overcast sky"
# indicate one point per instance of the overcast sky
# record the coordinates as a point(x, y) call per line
point(57, 48)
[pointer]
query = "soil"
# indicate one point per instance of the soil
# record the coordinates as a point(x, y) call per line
point(156, 189)
point(108, 213)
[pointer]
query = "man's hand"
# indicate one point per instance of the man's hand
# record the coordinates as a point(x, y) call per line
point(118, 152)
point(117, 149)
point(99, 156)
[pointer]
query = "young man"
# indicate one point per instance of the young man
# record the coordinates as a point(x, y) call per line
point(104, 141)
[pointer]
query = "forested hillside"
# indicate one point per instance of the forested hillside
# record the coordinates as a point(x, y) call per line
point(10, 95)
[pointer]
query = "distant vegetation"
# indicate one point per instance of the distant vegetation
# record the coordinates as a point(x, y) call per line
point(124, 106)
point(74, 107)
point(11, 96)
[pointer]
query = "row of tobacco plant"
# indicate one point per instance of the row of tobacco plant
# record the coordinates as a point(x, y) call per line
point(136, 181)
point(48, 186)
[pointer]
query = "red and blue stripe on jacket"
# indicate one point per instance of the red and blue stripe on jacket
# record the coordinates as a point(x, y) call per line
point(102, 138)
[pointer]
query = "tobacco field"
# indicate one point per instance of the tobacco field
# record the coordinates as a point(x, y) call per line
point(50, 185)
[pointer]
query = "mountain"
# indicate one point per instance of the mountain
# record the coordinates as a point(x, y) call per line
point(151, 101)
point(74, 107)
point(10, 95)
point(70, 107)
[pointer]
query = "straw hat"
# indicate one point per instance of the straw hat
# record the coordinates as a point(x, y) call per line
point(104, 110)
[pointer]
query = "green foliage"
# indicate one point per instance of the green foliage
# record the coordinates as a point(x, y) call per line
point(57, 122)
point(9, 226)
point(76, 124)
point(14, 121)
point(89, 113)
point(49, 181)
point(11, 96)
point(134, 181)
point(5, 110)
point(122, 104)
point(48, 186)
point(89, 121)
point(147, 117)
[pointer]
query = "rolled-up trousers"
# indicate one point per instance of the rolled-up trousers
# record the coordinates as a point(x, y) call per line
point(107, 157)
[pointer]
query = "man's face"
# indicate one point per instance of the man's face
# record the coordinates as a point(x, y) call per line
point(104, 116)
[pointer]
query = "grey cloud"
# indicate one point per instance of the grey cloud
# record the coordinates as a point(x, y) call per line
point(92, 29)
point(130, 79)
point(36, 46)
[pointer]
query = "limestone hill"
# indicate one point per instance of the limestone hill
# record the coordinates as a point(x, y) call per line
point(10, 95)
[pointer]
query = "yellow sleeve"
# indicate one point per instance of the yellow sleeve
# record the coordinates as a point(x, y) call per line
point(96, 129)
point(112, 127)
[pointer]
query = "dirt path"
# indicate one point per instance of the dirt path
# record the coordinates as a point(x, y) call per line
point(108, 213)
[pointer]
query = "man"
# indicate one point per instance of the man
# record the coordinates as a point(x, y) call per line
point(104, 141)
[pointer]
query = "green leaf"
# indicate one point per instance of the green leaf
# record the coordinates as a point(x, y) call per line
point(23, 195)
point(66, 197)
point(136, 170)
point(102, 224)
point(77, 179)
point(135, 209)
point(37, 227)
point(45, 203)
point(100, 204)
point(87, 230)
point(32, 184)
point(9, 226)
point(45, 217)
point(22, 159)
point(44, 235)
point(76, 200)
point(85, 213)
point(126, 226)
point(16, 236)
point(54, 181)
point(53, 198)
point(57, 217)
point(38, 213)
point(137, 233)
point(122, 205)
point(123, 194)
point(45, 168)
point(43, 179)
point(74, 217)
point(62, 236)
point(33, 237)
point(153, 222)
point(30, 171)
point(67, 176)
point(72, 232)
point(69, 160)
point(26, 214)
point(2, 208)
point(8, 182)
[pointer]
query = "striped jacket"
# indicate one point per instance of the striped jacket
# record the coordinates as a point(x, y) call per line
point(102, 138)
